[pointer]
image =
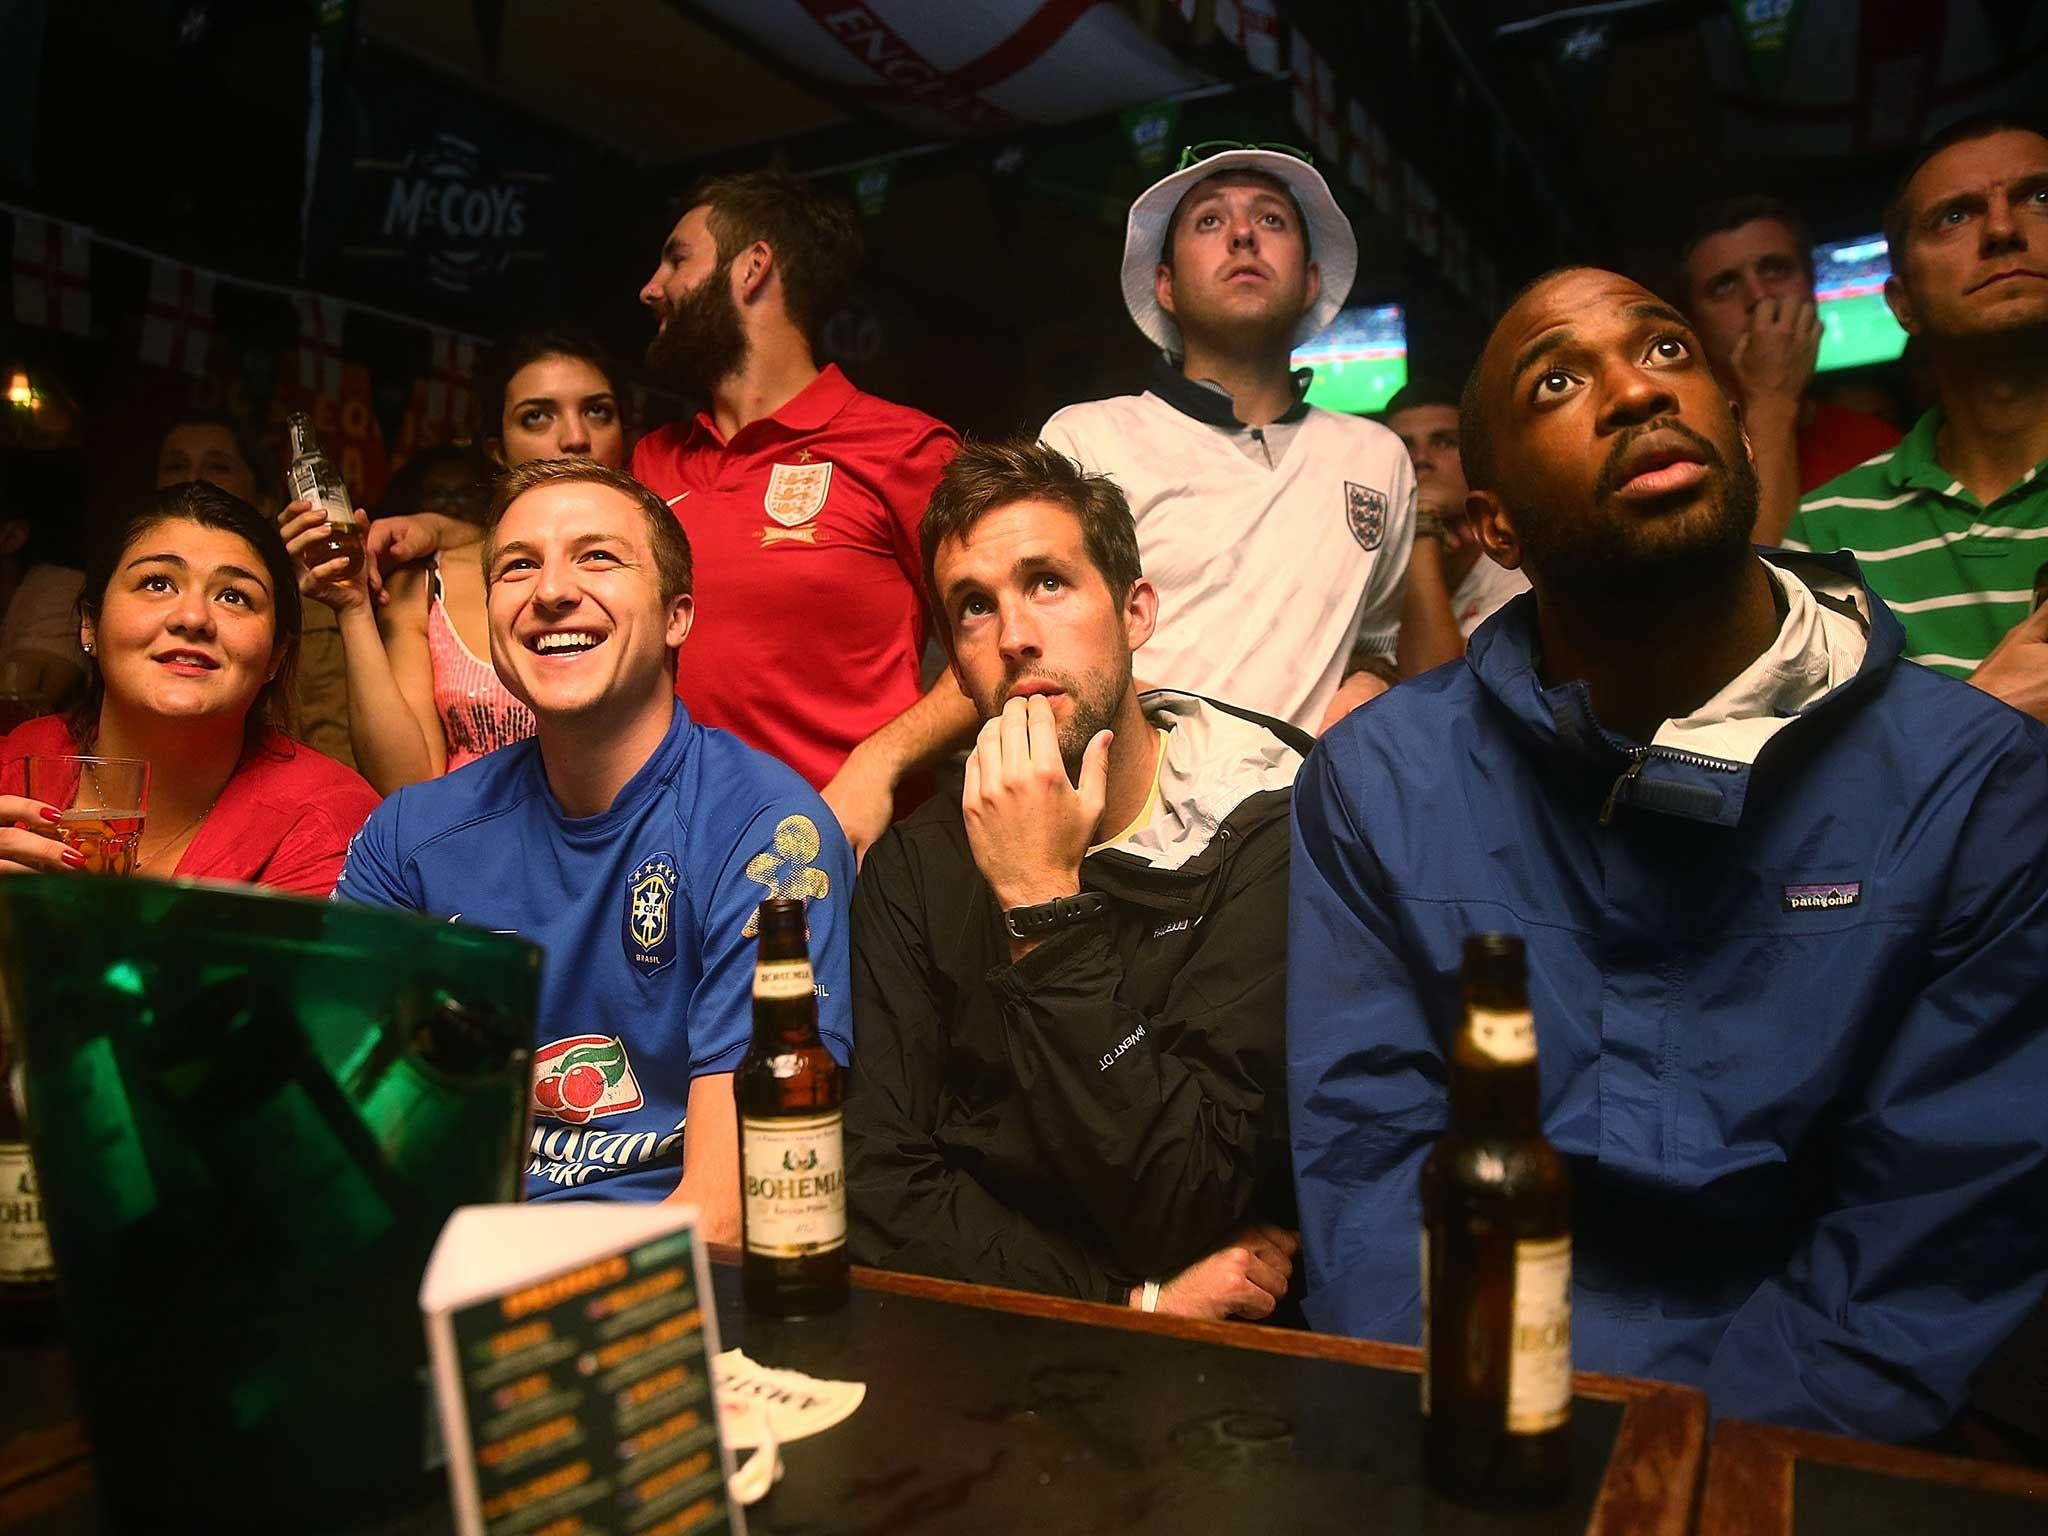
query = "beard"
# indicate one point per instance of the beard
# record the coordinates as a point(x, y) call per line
point(1092, 700)
point(703, 341)
point(1603, 548)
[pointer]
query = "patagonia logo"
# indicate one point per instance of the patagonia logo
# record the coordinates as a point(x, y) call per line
point(1816, 898)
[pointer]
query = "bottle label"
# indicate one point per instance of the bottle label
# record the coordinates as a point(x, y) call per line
point(775, 979)
point(1540, 1360)
point(793, 1184)
point(330, 496)
point(1505, 1037)
point(1425, 1321)
point(24, 1242)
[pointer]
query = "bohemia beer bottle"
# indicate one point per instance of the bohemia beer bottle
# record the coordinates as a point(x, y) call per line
point(792, 1163)
point(313, 477)
point(1496, 1258)
point(28, 1279)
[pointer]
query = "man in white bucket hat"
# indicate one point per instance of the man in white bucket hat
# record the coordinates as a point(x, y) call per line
point(1276, 532)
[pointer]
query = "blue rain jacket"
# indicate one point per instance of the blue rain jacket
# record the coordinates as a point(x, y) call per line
point(1792, 1019)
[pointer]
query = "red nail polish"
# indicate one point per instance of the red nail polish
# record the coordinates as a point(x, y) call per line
point(51, 813)
point(74, 858)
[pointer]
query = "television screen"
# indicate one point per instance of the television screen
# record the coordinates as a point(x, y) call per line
point(1857, 327)
point(1359, 361)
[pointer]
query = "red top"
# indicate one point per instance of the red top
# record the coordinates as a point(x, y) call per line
point(810, 611)
point(284, 820)
point(1839, 439)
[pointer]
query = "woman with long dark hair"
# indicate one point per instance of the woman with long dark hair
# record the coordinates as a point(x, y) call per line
point(190, 627)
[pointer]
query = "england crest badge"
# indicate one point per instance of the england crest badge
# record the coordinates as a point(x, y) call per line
point(1365, 512)
point(796, 492)
point(650, 892)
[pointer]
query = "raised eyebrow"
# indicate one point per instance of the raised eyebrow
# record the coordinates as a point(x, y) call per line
point(165, 558)
point(1658, 311)
point(1557, 339)
point(534, 400)
point(242, 573)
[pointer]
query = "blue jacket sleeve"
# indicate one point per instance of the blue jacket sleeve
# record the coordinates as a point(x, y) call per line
point(374, 872)
point(1934, 1247)
point(792, 846)
point(1365, 1075)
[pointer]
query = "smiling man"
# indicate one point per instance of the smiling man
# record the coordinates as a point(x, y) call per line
point(1785, 899)
point(1952, 525)
point(1068, 978)
point(1278, 533)
point(632, 844)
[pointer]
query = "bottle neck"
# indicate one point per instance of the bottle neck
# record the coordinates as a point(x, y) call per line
point(301, 439)
point(1493, 1069)
point(785, 1002)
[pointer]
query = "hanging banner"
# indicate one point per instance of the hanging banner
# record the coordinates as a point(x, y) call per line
point(1315, 100)
point(1153, 133)
point(1765, 29)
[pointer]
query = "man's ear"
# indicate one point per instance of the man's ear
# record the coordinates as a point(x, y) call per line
point(1315, 287)
point(682, 613)
point(1901, 303)
point(1141, 612)
point(1162, 287)
point(1495, 527)
point(751, 271)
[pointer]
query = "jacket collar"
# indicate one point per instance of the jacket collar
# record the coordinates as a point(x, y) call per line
point(1560, 718)
point(1211, 404)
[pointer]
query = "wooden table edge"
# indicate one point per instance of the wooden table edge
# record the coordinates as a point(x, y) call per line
point(1750, 1468)
point(1659, 1447)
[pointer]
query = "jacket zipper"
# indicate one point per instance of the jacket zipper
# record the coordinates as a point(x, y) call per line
point(1637, 756)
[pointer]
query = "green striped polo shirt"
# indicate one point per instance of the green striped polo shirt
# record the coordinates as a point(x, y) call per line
point(1957, 573)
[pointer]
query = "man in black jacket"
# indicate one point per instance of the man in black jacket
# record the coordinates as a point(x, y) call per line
point(1068, 984)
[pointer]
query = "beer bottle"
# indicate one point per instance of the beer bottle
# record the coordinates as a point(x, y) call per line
point(28, 1278)
point(1496, 1257)
point(792, 1163)
point(312, 477)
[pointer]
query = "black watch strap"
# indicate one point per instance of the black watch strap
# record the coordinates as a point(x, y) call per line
point(1050, 916)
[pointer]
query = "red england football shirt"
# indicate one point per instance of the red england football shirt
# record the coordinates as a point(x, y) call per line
point(810, 609)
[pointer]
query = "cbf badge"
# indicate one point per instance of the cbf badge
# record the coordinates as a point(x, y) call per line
point(795, 496)
point(1365, 511)
point(650, 936)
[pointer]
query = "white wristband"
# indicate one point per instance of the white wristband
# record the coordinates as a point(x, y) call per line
point(1148, 1298)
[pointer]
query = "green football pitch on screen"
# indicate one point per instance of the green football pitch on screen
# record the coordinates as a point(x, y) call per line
point(1855, 331)
point(1360, 386)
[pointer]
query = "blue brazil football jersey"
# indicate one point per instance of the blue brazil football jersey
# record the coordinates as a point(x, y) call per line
point(646, 917)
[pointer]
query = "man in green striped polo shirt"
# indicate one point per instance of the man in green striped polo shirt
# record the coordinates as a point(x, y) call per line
point(1951, 527)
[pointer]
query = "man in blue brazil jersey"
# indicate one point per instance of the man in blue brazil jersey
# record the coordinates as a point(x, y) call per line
point(632, 844)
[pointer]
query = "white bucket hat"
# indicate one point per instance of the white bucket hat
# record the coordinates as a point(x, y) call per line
point(1331, 245)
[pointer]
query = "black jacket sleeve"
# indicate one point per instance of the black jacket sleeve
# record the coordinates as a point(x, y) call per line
point(1155, 1123)
point(907, 1206)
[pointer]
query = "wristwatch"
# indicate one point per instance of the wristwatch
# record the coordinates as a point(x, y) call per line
point(1429, 526)
point(1051, 916)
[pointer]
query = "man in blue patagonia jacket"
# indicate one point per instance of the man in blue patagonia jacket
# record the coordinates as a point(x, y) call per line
point(632, 844)
point(1785, 898)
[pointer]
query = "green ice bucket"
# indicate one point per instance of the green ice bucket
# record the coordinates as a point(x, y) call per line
point(250, 1116)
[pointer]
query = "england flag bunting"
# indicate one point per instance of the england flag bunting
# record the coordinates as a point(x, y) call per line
point(1420, 218)
point(177, 325)
point(320, 358)
point(52, 274)
point(1368, 158)
point(1254, 27)
point(1315, 100)
point(450, 383)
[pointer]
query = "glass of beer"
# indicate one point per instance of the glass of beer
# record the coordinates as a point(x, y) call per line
point(100, 801)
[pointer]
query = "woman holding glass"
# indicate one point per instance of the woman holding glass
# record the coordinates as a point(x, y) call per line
point(191, 631)
point(424, 698)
